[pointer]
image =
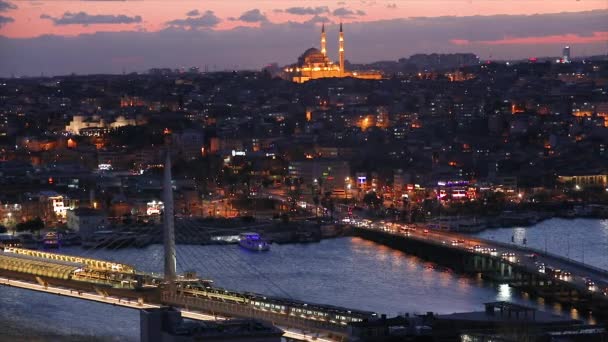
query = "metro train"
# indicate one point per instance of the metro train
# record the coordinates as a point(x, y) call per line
point(325, 313)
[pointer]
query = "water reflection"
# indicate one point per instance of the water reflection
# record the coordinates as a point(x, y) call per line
point(505, 293)
point(348, 272)
point(584, 240)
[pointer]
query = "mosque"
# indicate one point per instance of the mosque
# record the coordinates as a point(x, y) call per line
point(314, 64)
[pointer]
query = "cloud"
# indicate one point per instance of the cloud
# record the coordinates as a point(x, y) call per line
point(5, 20)
point(347, 13)
point(391, 6)
point(318, 19)
point(535, 40)
point(253, 16)
point(253, 47)
point(206, 20)
point(6, 6)
point(306, 10)
point(82, 18)
point(193, 13)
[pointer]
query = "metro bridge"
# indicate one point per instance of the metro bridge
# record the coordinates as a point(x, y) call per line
point(121, 284)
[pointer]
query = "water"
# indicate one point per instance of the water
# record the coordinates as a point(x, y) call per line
point(347, 272)
point(584, 240)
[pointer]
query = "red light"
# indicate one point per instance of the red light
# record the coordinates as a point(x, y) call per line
point(50, 180)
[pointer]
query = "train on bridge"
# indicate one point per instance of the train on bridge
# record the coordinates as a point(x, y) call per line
point(284, 306)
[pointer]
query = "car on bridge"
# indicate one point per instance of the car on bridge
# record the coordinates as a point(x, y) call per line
point(541, 267)
point(565, 275)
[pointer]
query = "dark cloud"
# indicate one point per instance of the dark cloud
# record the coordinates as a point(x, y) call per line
point(253, 47)
point(5, 20)
point(206, 20)
point(318, 19)
point(306, 10)
point(347, 13)
point(253, 16)
point(6, 6)
point(193, 13)
point(82, 18)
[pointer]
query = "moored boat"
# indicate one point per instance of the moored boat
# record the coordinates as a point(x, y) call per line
point(253, 242)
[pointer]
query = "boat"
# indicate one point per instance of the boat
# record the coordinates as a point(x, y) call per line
point(253, 242)
point(51, 240)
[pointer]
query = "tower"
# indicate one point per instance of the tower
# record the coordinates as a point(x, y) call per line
point(566, 55)
point(168, 219)
point(323, 48)
point(341, 51)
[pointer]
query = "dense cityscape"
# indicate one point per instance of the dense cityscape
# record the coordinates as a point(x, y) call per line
point(436, 197)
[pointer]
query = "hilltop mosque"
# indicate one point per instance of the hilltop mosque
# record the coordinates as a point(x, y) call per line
point(314, 64)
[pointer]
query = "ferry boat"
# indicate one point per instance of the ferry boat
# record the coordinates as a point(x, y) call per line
point(253, 242)
point(51, 240)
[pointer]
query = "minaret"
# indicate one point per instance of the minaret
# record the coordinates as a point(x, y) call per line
point(341, 51)
point(168, 219)
point(323, 49)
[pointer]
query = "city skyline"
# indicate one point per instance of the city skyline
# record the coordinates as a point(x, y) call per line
point(137, 35)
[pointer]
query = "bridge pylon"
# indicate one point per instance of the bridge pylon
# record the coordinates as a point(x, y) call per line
point(168, 215)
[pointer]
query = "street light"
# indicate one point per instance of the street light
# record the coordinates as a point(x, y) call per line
point(347, 186)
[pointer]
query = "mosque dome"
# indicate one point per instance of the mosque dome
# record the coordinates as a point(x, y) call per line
point(312, 56)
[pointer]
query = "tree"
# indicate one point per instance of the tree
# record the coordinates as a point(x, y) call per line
point(3, 229)
point(372, 200)
point(35, 225)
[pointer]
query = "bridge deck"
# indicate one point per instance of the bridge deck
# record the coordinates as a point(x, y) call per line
point(581, 273)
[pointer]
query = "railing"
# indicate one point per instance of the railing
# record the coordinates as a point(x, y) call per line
point(562, 258)
point(595, 269)
point(240, 310)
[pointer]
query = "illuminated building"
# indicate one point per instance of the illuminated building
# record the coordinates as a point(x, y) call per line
point(331, 172)
point(56, 202)
point(80, 122)
point(566, 55)
point(586, 179)
point(314, 64)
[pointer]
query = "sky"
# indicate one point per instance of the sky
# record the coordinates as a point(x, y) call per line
point(111, 36)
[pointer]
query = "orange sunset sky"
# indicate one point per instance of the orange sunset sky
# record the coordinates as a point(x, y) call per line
point(111, 36)
point(156, 13)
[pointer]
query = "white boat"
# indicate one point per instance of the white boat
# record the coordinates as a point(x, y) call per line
point(253, 242)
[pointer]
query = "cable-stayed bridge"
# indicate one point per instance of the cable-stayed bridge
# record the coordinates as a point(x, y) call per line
point(116, 283)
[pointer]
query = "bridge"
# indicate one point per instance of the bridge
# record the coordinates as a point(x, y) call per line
point(552, 277)
point(123, 285)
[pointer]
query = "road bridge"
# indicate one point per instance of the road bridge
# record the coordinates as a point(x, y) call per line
point(546, 275)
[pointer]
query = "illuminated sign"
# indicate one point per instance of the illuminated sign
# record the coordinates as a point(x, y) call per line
point(154, 208)
point(105, 167)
